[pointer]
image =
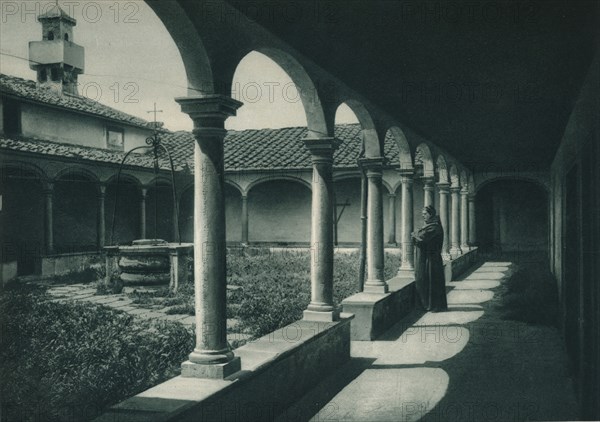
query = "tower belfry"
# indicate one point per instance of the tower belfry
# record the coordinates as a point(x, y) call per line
point(57, 60)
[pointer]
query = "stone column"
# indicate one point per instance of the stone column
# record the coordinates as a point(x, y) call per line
point(212, 357)
point(428, 191)
point(375, 254)
point(392, 225)
point(472, 236)
point(444, 189)
point(321, 262)
point(49, 221)
point(464, 220)
point(143, 196)
point(101, 222)
point(455, 250)
point(245, 219)
point(407, 268)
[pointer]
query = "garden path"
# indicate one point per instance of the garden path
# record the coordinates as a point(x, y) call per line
point(87, 293)
point(467, 364)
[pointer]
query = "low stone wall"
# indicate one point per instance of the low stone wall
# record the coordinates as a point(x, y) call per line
point(8, 271)
point(460, 264)
point(374, 314)
point(277, 370)
point(72, 262)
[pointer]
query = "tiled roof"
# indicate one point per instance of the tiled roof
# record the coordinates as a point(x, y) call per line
point(27, 90)
point(271, 149)
point(264, 149)
point(254, 149)
point(60, 150)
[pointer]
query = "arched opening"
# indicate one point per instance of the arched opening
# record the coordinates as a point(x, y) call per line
point(127, 217)
point(279, 212)
point(424, 173)
point(271, 98)
point(186, 214)
point(75, 212)
point(348, 211)
point(159, 212)
point(50, 36)
point(512, 219)
point(66, 37)
point(21, 219)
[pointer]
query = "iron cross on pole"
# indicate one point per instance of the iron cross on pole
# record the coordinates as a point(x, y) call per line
point(155, 112)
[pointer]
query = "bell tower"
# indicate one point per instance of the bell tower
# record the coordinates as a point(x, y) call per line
point(57, 60)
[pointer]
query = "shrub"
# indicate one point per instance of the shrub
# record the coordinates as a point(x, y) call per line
point(78, 358)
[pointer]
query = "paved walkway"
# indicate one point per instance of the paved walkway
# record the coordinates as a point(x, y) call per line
point(466, 364)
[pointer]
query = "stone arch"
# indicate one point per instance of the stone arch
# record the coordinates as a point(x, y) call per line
point(76, 173)
point(267, 179)
point(464, 180)
point(441, 168)
point(315, 115)
point(279, 211)
point(471, 184)
point(481, 183)
point(22, 220)
point(513, 217)
point(160, 222)
point(75, 208)
point(454, 176)
point(130, 178)
point(22, 167)
point(405, 156)
point(235, 186)
point(423, 158)
point(190, 45)
point(372, 144)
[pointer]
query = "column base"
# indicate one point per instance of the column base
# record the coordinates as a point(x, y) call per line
point(212, 371)
point(321, 316)
point(455, 252)
point(406, 273)
point(375, 287)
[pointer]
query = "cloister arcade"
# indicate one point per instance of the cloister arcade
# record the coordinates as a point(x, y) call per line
point(404, 172)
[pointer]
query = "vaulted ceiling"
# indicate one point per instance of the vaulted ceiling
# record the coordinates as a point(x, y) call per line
point(493, 82)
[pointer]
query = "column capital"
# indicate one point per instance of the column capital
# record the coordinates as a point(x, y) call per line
point(443, 187)
point(321, 149)
point(143, 192)
point(373, 166)
point(101, 190)
point(464, 191)
point(209, 110)
point(48, 187)
point(471, 197)
point(391, 195)
point(455, 189)
point(428, 181)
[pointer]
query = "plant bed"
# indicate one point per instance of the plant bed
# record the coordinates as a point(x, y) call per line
point(70, 360)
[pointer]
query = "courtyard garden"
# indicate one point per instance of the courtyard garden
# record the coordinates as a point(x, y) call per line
point(68, 360)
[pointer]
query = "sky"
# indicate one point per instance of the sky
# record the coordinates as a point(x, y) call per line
point(131, 62)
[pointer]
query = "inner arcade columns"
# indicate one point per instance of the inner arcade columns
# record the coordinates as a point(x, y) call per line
point(101, 222)
point(321, 262)
point(428, 191)
point(245, 219)
point(472, 236)
point(392, 216)
point(455, 222)
point(143, 197)
point(464, 219)
point(444, 189)
point(49, 219)
point(375, 254)
point(212, 357)
point(407, 266)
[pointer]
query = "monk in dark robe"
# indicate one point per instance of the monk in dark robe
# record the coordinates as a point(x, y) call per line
point(429, 270)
